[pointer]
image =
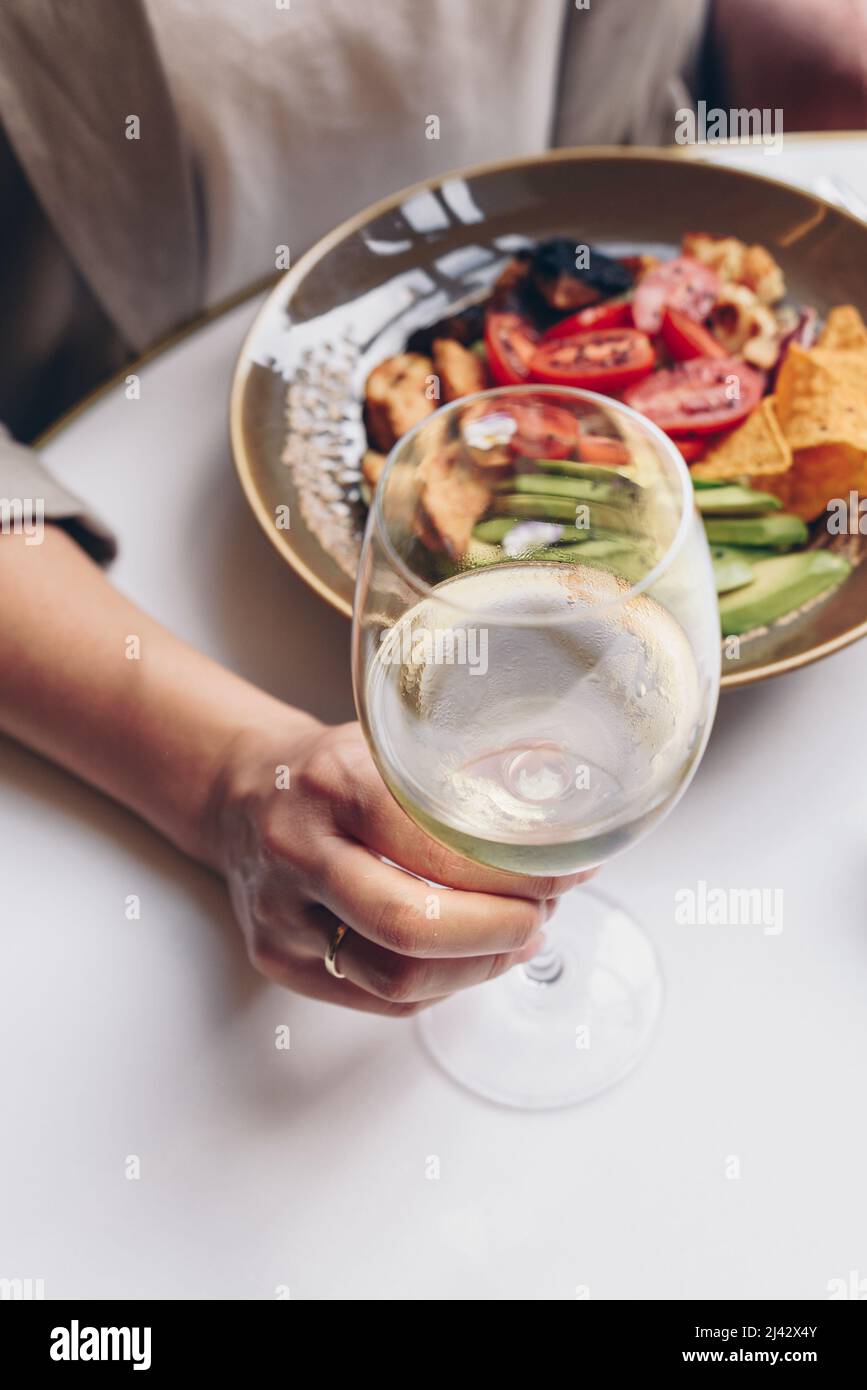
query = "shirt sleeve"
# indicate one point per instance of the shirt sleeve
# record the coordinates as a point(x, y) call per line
point(28, 490)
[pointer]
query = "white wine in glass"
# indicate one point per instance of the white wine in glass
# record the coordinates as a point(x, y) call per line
point(536, 668)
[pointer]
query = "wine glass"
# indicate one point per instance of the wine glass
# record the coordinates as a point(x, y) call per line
point(536, 664)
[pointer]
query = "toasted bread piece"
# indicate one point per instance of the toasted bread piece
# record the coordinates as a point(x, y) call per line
point(371, 468)
point(396, 398)
point(724, 254)
point(452, 500)
point(485, 433)
point(762, 275)
point(461, 372)
point(735, 261)
point(743, 324)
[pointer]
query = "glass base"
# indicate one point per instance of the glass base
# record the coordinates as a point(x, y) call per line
point(539, 1046)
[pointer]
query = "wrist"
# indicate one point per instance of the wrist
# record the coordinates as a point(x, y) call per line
point(256, 757)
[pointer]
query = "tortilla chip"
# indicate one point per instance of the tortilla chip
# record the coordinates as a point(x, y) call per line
point(822, 397)
point(818, 475)
point(780, 486)
point(844, 331)
point(808, 443)
point(756, 449)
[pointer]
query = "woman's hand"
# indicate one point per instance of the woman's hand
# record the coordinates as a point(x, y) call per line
point(302, 859)
point(198, 752)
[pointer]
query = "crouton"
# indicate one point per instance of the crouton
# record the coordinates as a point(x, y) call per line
point(371, 468)
point(396, 398)
point(762, 275)
point(485, 435)
point(452, 500)
point(737, 263)
point(724, 254)
point(743, 324)
point(461, 372)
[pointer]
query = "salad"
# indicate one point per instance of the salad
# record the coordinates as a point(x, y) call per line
point(767, 406)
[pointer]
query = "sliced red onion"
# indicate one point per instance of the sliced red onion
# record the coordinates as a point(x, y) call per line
point(804, 333)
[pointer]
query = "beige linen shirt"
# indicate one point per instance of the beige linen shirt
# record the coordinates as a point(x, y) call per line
point(256, 124)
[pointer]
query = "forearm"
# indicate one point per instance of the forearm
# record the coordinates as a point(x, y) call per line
point(92, 682)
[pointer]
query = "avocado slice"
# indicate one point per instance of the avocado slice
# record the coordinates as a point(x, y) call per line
point(779, 532)
point(546, 485)
point(584, 553)
point(736, 501)
point(536, 508)
point(620, 557)
point(598, 472)
point(528, 507)
point(495, 530)
point(730, 569)
point(750, 554)
point(478, 553)
point(779, 586)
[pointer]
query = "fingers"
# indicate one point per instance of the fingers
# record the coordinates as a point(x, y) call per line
point(310, 978)
point(411, 979)
point(373, 817)
point(379, 981)
point(399, 913)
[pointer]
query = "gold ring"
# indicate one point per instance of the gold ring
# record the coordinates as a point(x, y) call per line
point(331, 953)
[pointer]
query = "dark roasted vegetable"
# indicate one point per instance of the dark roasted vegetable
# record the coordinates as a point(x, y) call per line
point(565, 285)
point(466, 326)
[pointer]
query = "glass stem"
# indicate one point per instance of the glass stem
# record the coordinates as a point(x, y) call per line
point(545, 967)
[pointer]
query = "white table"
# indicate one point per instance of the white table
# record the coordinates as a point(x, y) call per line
point(263, 1168)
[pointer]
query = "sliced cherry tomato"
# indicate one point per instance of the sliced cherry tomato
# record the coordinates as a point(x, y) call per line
point(511, 341)
point(686, 339)
point(607, 359)
point(615, 314)
point(692, 446)
point(683, 284)
point(597, 448)
point(544, 431)
point(698, 397)
point(695, 446)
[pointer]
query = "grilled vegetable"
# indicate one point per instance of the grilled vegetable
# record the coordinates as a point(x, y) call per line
point(556, 269)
